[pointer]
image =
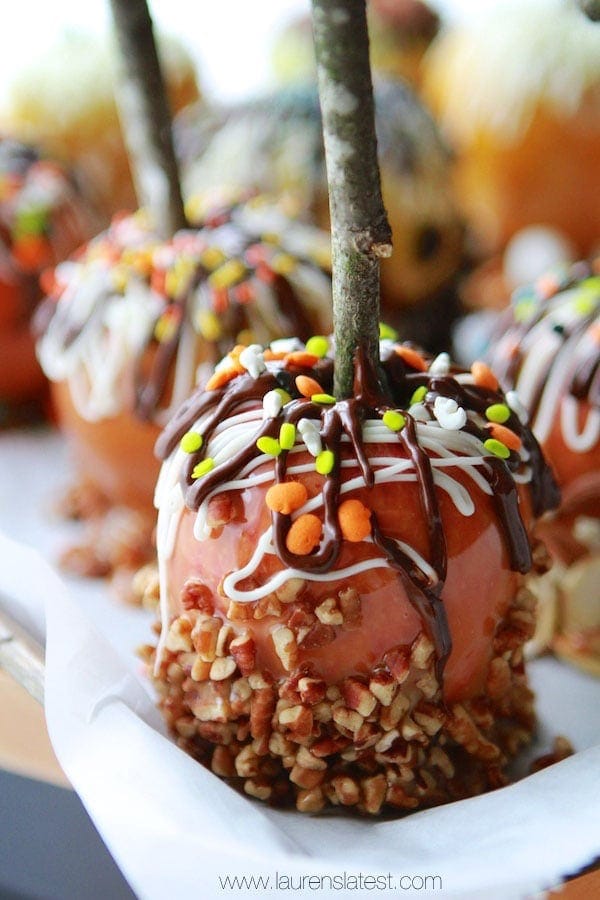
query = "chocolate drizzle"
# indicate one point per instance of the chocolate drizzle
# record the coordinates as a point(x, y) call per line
point(374, 395)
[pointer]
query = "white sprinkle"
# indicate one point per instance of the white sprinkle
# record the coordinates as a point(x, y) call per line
point(514, 402)
point(440, 365)
point(252, 359)
point(311, 436)
point(449, 414)
point(272, 403)
point(386, 349)
point(286, 345)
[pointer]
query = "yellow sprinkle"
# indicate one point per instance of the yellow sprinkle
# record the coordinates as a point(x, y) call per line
point(393, 420)
point(284, 264)
point(287, 436)
point(386, 332)
point(212, 258)
point(497, 448)
point(208, 325)
point(227, 274)
point(270, 237)
point(120, 279)
point(165, 328)
point(324, 462)
point(326, 399)
point(269, 445)
point(318, 345)
point(419, 395)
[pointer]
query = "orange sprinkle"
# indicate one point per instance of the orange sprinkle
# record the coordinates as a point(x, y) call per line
point(505, 435)
point(270, 355)
point(157, 281)
point(412, 358)
point(483, 376)
point(304, 535)
point(49, 284)
point(308, 386)
point(355, 520)
point(286, 497)
point(301, 358)
point(32, 252)
point(244, 292)
point(218, 379)
point(220, 300)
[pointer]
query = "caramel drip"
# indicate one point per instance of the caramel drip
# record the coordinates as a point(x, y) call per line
point(373, 395)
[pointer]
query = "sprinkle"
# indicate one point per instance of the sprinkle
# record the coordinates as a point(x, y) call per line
point(412, 358)
point(166, 326)
point(419, 412)
point(387, 349)
point(272, 403)
point(251, 358)
point(497, 448)
point(304, 534)
point(268, 445)
point(483, 376)
point(326, 399)
point(440, 365)
point(285, 397)
point(514, 402)
point(227, 274)
point(355, 520)
point(191, 442)
point(284, 263)
point(449, 414)
point(301, 359)
point(505, 436)
point(307, 386)
point(208, 325)
point(419, 394)
point(203, 467)
point(386, 332)
point(286, 345)
point(393, 420)
point(311, 436)
point(222, 376)
point(286, 497)
point(498, 412)
point(212, 258)
point(325, 462)
point(585, 300)
point(318, 345)
point(287, 436)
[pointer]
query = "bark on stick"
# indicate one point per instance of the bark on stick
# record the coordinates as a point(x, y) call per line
point(361, 234)
point(146, 118)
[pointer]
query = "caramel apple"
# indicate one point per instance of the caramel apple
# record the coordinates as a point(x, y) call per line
point(342, 597)
point(43, 218)
point(548, 351)
point(132, 322)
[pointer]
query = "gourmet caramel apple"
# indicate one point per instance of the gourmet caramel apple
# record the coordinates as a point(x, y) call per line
point(65, 100)
point(549, 351)
point(341, 582)
point(43, 217)
point(132, 323)
point(516, 91)
point(283, 141)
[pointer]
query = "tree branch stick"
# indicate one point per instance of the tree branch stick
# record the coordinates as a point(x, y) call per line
point(146, 118)
point(361, 234)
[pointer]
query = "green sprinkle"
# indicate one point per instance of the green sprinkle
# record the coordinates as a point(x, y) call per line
point(497, 448)
point(386, 332)
point(498, 412)
point(317, 345)
point(586, 298)
point(287, 436)
point(203, 467)
point(324, 462)
point(418, 395)
point(285, 397)
point(395, 421)
point(322, 398)
point(269, 445)
point(191, 442)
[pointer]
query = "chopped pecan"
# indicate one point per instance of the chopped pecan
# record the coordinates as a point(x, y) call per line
point(196, 595)
point(374, 790)
point(350, 605)
point(205, 636)
point(285, 646)
point(222, 668)
point(357, 696)
point(311, 690)
point(262, 707)
point(398, 662)
point(328, 613)
point(243, 650)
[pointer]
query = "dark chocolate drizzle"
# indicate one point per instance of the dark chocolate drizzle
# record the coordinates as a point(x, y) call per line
point(373, 395)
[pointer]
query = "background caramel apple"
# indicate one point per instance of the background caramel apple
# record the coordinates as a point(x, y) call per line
point(516, 91)
point(548, 350)
point(43, 217)
point(133, 321)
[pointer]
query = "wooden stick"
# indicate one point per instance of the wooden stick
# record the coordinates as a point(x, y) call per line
point(360, 232)
point(21, 657)
point(146, 118)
